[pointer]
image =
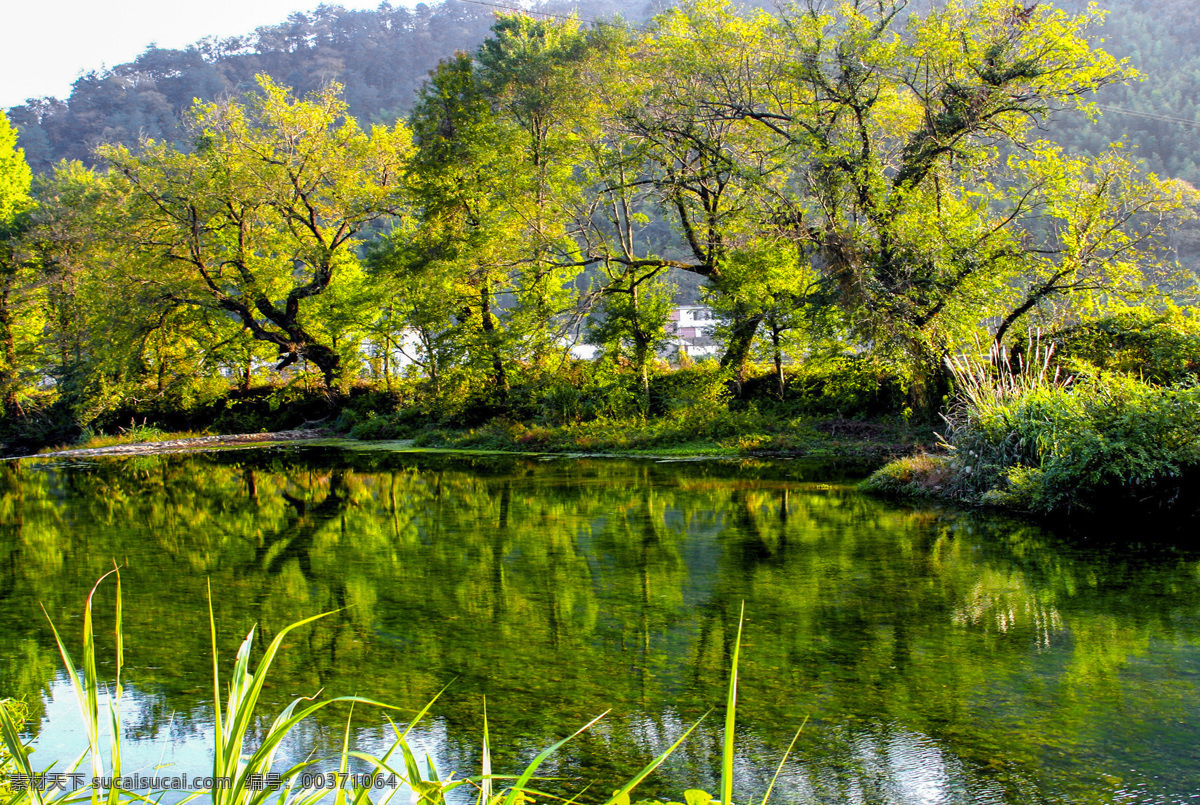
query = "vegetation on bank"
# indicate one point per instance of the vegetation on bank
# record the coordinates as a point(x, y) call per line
point(858, 195)
point(848, 408)
point(1107, 424)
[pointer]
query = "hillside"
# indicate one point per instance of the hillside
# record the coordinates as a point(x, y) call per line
point(382, 57)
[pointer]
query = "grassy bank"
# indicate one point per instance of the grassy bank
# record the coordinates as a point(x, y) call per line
point(746, 434)
point(1026, 436)
point(845, 407)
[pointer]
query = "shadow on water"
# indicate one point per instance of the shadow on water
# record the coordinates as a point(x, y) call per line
point(939, 656)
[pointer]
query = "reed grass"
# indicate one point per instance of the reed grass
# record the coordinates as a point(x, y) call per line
point(236, 714)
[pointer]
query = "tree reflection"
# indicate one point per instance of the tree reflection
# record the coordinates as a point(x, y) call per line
point(558, 589)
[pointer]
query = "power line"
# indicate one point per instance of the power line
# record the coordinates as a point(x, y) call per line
point(1149, 116)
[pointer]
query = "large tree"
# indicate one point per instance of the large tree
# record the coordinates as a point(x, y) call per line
point(907, 138)
point(258, 221)
point(15, 289)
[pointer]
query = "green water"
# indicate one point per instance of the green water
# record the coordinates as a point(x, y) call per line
point(939, 657)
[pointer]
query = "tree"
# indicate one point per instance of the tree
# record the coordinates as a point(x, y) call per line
point(632, 318)
point(1095, 234)
point(259, 221)
point(16, 306)
point(468, 233)
point(899, 130)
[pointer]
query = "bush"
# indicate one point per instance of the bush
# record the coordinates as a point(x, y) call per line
point(1022, 436)
point(1109, 441)
point(703, 387)
point(1157, 346)
point(919, 476)
point(376, 427)
point(844, 386)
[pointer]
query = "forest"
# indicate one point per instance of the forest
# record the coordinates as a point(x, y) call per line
point(906, 211)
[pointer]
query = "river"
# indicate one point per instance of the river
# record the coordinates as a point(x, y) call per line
point(933, 656)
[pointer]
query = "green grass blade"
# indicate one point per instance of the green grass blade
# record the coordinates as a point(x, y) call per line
point(114, 712)
point(421, 713)
point(485, 781)
point(783, 760)
point(216, 671)
point(344, 761)
point(731, 718)
point(517, 788)
point(245, 690)
point(87, 688)
point(654, 764)
point(10, 733)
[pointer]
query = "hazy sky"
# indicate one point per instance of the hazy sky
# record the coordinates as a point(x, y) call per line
point(45, 44)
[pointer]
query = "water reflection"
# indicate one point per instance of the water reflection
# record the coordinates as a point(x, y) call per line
point(939, 657)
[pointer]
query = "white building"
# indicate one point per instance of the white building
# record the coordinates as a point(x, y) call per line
point(691, 328)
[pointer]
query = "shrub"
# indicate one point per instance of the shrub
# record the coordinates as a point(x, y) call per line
point(844, 386)
point(375, 427)
point(1022, 436)
point(1158, 346)
point(1099, 444)
point(919, 476)
point(701, 387)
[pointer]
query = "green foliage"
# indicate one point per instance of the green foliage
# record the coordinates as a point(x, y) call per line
point(693, 390)
point(20, 308)
point(845, 386)
point(856, 192)
point(910, 477)
point(630, 322)
point(375, 427)
point(1160, 347)
point(15, 176)
point(1102, 443)
point(1022, 436)
point(258, 222)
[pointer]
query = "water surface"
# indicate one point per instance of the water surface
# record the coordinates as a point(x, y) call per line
point(938, 657)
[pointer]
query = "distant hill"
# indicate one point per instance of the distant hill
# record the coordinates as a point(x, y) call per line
point(382, 56)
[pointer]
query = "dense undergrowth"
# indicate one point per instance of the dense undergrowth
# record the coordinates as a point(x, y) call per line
point(1111, 423)
point(828, 406)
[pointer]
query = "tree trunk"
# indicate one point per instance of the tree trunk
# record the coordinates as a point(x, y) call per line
point(737, 351)
point(328, 361)
point(930, 383)
point(8, 373)
point(641, 349)
point(387, 365)
point(247, 370)
point(489, 328)
point(778, 360)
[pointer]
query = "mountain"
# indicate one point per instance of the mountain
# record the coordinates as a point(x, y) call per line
point(382, 56)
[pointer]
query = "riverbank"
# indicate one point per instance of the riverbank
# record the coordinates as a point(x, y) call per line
point(870, 442)
point(181, 443)
point(1029, 441)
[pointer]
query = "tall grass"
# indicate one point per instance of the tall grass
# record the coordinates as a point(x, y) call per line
point(984, 434)
point(236, 713)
